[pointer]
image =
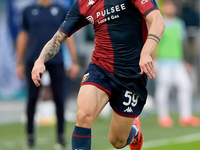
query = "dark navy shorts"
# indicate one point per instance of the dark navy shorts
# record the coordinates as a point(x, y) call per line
point(127, 96)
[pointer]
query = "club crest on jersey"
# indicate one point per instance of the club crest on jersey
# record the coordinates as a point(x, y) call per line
point(91, 2)
point(85, 77)
point(90, 19)
point(35, 12)
point(54, 11)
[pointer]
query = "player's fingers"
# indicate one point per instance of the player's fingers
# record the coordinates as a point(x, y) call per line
point(153, 70)
point(39, 79)
point(148, 71)
point(151, 64)
point(144, 70)
point(36, 78)
point(36, 82)
point(148, 74)
point(141, 71)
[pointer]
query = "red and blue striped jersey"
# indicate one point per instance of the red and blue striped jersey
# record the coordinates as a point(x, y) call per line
point(120, 31)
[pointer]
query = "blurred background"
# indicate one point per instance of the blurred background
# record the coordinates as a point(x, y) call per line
point(13, 92)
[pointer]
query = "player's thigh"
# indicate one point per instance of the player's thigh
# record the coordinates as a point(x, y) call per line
point(91, 100)
point(120, 127)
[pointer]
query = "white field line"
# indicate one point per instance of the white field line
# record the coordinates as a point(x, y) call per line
point(148, 144)
point(168, 141)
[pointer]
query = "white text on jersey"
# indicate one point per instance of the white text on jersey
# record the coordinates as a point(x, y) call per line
point(111, 10)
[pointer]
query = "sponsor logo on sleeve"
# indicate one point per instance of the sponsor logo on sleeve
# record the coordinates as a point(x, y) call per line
point(144, 1)
point(91, 2)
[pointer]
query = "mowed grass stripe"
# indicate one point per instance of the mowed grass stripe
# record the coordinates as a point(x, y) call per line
point(169, 141)
point(13, 136)
point(175, 140)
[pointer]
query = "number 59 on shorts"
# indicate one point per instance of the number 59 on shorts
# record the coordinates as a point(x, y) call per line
point(132, 98)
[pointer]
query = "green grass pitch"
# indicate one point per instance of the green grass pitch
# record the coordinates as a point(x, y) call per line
point(12, 136)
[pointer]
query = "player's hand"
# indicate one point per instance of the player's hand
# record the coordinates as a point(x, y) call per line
point(146, 65)
point(20, 70)
point(37, 70)
point(73, 71)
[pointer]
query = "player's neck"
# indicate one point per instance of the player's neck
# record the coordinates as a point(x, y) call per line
point(45, 3)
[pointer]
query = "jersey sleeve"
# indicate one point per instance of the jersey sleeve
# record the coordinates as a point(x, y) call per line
point(73, 21)
point(145, 6)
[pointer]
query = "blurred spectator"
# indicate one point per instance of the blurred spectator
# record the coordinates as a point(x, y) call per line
point(190, 15)
point(39, 22)
point(173, 71)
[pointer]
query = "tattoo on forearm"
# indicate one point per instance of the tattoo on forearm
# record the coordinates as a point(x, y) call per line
point(53, 46)
point(154, 37)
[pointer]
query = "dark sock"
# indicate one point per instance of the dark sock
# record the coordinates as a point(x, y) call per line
point(81, 138)
point(133, 133)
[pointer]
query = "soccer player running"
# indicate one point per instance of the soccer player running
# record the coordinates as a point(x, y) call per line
point(127, 31)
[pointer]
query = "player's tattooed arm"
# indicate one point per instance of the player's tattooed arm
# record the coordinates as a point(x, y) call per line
point(52, 47)
point(156, 28)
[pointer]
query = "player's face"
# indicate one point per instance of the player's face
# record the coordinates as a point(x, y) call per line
point(169, 9)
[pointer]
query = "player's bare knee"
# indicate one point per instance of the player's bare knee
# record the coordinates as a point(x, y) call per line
point(84, 119)
point(117, 143)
